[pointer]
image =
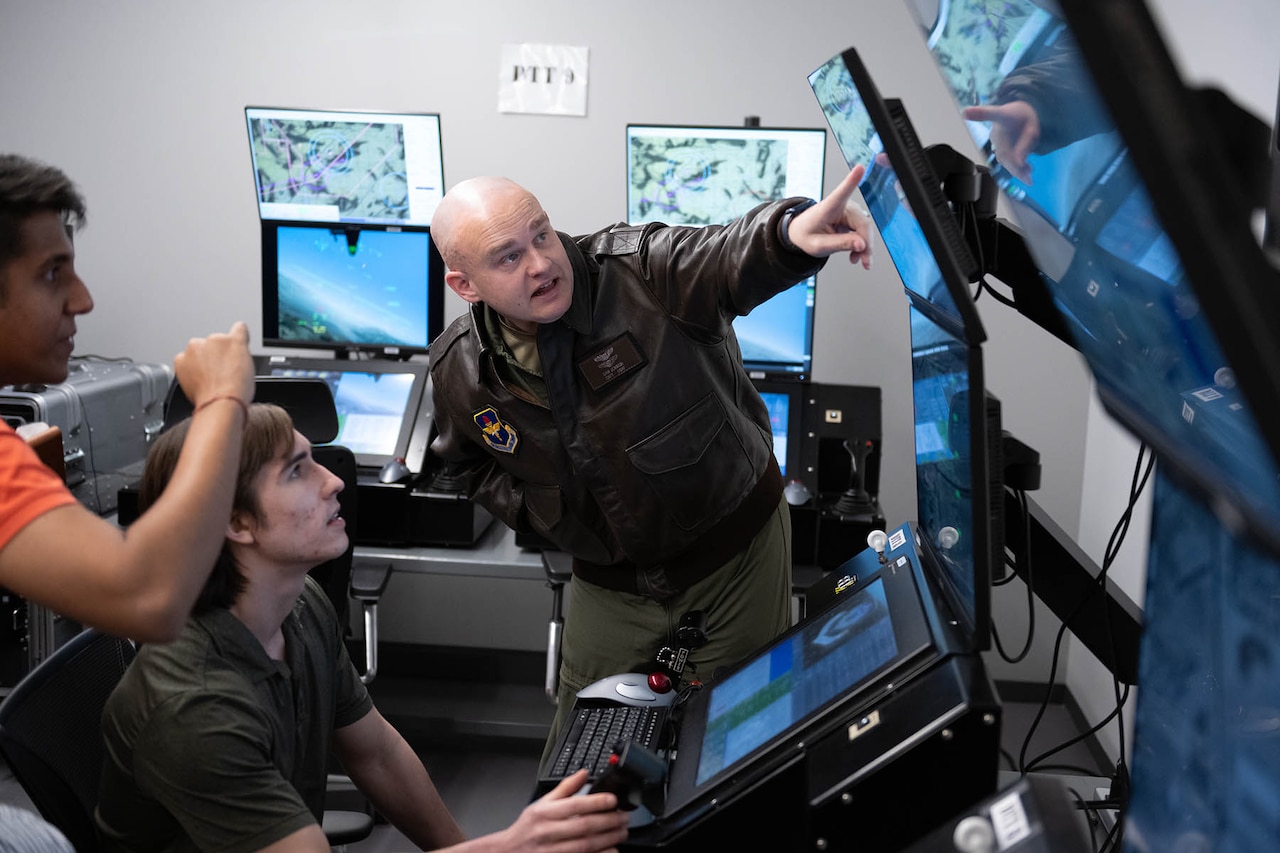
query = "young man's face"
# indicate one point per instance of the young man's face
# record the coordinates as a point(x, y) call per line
point(514, 262)
point(298, 525)
point(40, 297)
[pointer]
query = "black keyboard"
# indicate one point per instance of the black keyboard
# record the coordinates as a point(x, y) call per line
point(595, 731)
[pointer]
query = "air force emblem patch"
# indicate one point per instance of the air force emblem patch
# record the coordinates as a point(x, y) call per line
point(500, 436)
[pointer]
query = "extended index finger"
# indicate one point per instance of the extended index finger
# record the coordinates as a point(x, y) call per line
point(844, 191)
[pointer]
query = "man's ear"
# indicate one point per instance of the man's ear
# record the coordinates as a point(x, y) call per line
point(461, 285)
point(240, 528)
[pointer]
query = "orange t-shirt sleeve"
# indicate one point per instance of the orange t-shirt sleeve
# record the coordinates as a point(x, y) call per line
point(28, 488)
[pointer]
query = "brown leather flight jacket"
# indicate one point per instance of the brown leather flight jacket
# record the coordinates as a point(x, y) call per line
point(652, 460)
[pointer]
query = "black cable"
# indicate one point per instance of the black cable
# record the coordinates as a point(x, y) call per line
point(997, 295)
point(1031, 603)
point(1034, 763)
point(1137, 486)
point(1091, 815)
point(1008, 756)
point(1111, 842)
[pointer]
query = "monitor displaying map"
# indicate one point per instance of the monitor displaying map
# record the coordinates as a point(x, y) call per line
point(713, 175)
point(705, 175)
point(359, 167)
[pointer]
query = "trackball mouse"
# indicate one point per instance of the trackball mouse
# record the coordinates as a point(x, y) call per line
point(394, 471)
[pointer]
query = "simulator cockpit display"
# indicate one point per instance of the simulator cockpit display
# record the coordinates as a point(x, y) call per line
point(1117, 278)
point(1128, 199)
point(341, 166)
point(952, 423)
point(345, 200)
point(709, 175)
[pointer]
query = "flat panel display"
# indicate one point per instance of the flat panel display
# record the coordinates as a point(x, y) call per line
point(838, 655)
point(952, 481)
point(378, 288)
point(377, 402)
point(783, 400)
point(952, 477)
point(901, 192)
point(346, 166)
point(710, 175)
point(1117, 276)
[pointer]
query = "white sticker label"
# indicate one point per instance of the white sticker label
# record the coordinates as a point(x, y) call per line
point(1010, 821)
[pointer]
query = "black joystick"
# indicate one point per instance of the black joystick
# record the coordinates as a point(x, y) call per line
point(446, 480)
point(634, 775)
point(856, 500)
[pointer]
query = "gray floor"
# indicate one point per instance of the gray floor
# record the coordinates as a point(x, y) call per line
point(482, 743)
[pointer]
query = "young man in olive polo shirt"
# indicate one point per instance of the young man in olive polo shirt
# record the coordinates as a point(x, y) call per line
point(220, 740)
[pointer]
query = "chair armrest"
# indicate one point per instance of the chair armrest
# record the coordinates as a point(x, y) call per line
point(369, 581)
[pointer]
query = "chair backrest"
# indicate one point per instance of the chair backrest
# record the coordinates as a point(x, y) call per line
point(51, 730)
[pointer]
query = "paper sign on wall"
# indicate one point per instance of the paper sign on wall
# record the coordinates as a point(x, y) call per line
point(550, 79)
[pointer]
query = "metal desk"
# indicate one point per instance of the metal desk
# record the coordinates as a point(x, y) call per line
point(494, 555)
point(488, 596)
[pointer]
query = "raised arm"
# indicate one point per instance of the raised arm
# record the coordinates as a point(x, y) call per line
point(142, 582)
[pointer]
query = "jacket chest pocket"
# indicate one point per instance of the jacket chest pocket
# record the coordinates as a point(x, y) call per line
point(697, 464)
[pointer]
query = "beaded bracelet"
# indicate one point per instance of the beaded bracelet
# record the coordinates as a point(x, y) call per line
point(244, 407)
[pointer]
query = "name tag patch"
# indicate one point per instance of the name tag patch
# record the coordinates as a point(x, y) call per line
point(612, 361)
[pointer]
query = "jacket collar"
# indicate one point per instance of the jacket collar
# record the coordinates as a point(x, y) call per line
point(578, 317)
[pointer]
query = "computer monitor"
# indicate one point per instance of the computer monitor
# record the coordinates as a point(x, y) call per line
point(953, 432)
point(905, 198)
point(371, 288)
point(841, 656)
point(344, 166)
point(786, 407)
point(1130, 208)
point(710, 175)
point(377, 401)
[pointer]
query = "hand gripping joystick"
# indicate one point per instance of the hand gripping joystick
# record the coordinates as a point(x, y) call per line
point(635, 775)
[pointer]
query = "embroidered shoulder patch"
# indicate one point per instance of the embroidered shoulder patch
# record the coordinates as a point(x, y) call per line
point(502, 437)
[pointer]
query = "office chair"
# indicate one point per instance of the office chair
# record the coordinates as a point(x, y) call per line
point(341, 580)
point(51, 730)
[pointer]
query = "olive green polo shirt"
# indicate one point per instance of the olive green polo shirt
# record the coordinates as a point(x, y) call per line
point(212, 745)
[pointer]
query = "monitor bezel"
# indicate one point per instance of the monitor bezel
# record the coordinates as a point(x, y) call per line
point(409, 418)
point(756, 369)
point(353, 116)
point(271, 293)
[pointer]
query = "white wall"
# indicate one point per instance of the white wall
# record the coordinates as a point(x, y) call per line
point(141, 101)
